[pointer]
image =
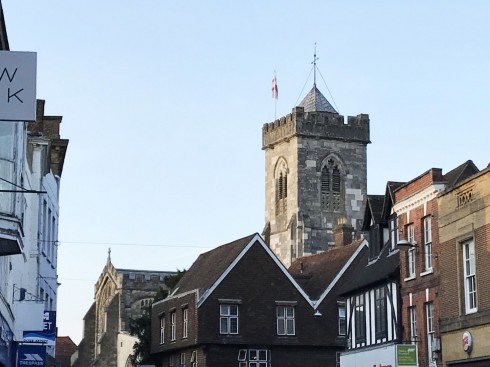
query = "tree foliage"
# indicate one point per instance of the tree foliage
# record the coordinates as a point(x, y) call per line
point(141, 326)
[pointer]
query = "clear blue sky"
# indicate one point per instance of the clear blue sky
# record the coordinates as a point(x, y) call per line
point(164, 101)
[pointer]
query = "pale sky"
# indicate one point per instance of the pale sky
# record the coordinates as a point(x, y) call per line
point(164, 101)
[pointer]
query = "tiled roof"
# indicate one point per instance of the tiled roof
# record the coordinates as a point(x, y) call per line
point(460, 173)
point(367, 275)
point(316, 102)
point(210, 265)
point(65, 347)
point(314, 273)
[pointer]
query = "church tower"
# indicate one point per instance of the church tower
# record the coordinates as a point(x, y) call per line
point(315, 177)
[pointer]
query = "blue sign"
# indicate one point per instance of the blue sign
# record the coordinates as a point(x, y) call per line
point(47, 335)
point(31, 355)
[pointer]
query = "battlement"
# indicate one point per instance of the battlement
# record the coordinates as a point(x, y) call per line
point(319, 125)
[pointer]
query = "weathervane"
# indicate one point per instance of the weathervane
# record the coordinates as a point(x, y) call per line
point(314, 66)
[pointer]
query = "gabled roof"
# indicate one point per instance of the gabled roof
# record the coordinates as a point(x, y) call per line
point(316, 102)
point(460, 173)
point(212, 267)
point(391, 187)
point(367, 275)
point(317, 274)
point(373, 211)
point(4, 41)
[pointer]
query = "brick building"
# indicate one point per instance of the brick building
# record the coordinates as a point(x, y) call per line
point(464, 236)
point(315, 174)
point(120, 294)
point(238, 305)
point(417, 210)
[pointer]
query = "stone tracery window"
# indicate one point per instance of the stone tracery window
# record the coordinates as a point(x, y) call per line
point(331, 187)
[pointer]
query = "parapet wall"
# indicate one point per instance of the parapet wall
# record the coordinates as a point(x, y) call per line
point(318, 125)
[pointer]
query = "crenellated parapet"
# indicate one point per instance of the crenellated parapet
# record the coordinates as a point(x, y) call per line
point(319, 125)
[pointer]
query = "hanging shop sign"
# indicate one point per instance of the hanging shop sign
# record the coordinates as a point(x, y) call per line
point(18, 86)
point(467, 342)
point(31, 355)
point(46, 336)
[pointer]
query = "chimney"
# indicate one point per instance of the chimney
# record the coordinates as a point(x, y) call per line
point(342, 233)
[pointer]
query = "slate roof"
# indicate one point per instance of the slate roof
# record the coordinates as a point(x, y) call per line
point(391, 187)
point(210, 265)
point(367, 275)
point(374, 210)
point(314, 273)
point(316, 102)
point(460, 173)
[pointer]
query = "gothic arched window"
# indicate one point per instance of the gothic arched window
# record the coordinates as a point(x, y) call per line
point(281, 187)
point(331, 187)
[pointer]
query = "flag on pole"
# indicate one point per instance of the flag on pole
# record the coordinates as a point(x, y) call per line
point(275, 91)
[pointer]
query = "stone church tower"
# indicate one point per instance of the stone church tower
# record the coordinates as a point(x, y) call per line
point(315, 177)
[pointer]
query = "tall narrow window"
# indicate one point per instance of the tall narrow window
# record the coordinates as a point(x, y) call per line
point(469, 276)
point(428, 242)
point(413, 324)
point(394, 232)
point(281, 189)
point(228, 319)
point(410, 253)
point(285, 320)
point(360, 320)
point(430, 331)
point(380, 311)
point(194, 358)
point(7, 165)
point(162, 330)
point(173, 326)
point(342, 320)
point(331, 187)
point(185, 322)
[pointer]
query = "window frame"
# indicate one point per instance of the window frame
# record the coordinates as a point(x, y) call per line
point(469, 274)
point(194, 358)
point(162, 329)
point(173, 326)
point(431, 331)
point(285, 320)
point(380, 312)
point(228, 318)
point(411, 264)
point(427, 224)
point(360, 319)
point(412, 312)
point(185, 323)
point(342, 319)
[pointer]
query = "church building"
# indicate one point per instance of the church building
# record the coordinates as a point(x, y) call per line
point(315, 177)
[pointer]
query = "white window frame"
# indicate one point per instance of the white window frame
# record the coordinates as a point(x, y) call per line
point(469, 267)
point(394, 232)
point(431, 331)
point(428, 242)
point(173, 326)
point(342, 319)
point(162, 330)
point(185, 322)
point(194, 358)
point(228, 314)
point(410, 252)
point(286, 324)
point(413, 324)
point(182, 359)
point(258, 358)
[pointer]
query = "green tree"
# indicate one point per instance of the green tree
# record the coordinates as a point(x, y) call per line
point(141, 326)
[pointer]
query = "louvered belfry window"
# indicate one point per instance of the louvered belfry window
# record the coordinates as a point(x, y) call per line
point(331, 187)
point(281, 191)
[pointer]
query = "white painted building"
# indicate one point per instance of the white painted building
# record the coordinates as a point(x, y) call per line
point(31, 162)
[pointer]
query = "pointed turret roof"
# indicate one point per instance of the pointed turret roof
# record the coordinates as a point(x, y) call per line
point(315, 101)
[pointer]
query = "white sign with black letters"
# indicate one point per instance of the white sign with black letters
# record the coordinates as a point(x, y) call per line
point(18, 86)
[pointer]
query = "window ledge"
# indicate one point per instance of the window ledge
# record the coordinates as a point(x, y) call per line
point(427, 272)
point(412, 277)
